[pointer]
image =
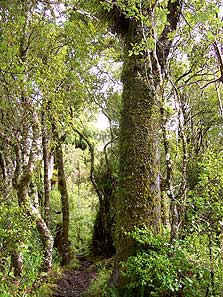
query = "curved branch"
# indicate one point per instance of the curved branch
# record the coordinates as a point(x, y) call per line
point(91, 150)
point(106, 155)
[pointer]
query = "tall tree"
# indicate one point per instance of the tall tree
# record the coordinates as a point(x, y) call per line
point(146, 46)
point(62, 186)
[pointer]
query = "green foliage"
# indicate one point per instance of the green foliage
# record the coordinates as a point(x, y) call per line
point(82, 200)
point(204, 215)
point(99, 286)
point(17, 234)
point(205, 203)
point(15, 226)
point(83, 211)
point(160, 268)
point(49, 66)
point(205, 249)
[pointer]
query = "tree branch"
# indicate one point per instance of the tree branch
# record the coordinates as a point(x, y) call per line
point(91, 150)
point(164, 43)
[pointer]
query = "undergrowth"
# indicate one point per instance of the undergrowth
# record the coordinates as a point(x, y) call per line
point(160, 268)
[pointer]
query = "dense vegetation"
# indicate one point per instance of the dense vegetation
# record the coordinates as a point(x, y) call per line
point(144, 194)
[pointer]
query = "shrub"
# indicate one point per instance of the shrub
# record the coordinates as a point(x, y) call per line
point(162, 269)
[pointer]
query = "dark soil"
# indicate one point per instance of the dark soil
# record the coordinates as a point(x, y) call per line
point(75, 282)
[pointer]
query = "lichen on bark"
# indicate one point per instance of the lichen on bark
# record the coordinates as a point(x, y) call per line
point(138, 201)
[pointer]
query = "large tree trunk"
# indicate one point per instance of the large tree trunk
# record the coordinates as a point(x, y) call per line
point(138, 203)
point(62, 186)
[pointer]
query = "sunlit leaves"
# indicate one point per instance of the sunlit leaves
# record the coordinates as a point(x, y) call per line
point(207, 194)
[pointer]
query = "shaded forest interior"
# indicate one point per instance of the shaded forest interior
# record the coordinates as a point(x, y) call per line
point(111, 159)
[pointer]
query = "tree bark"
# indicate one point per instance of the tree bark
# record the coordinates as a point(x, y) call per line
point(47, 240)
point(138, 202)
point(22, 181)
point(62, 186)
point(17, 263)
point(46, 158)
point(169, 209)
point(44, 232)
point(177, 201)
point(2, 166)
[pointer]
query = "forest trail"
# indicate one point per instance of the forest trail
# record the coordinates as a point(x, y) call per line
point(75, 282)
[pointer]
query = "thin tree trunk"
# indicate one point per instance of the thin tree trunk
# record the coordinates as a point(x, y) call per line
point(46, 159)
point(2, 166)
point(21, 184)
point(17, 263)
point(47, 240)
point(62, 186)
point(178, 208)
point(102, 241)
point(44, 232)
point(167, 188)
point(165, 210)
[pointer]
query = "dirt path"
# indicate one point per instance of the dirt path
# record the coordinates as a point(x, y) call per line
point(75, 282)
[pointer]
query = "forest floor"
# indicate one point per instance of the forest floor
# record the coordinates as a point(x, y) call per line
point(74, 282)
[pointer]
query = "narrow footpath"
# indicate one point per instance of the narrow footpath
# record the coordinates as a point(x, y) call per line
point(75, 282)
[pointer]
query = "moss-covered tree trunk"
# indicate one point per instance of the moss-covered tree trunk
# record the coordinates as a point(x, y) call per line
point(46, 160)
point(138, 202)
point(62, 186)
point(44, 232)
point(46, 238)
point(22, 180)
